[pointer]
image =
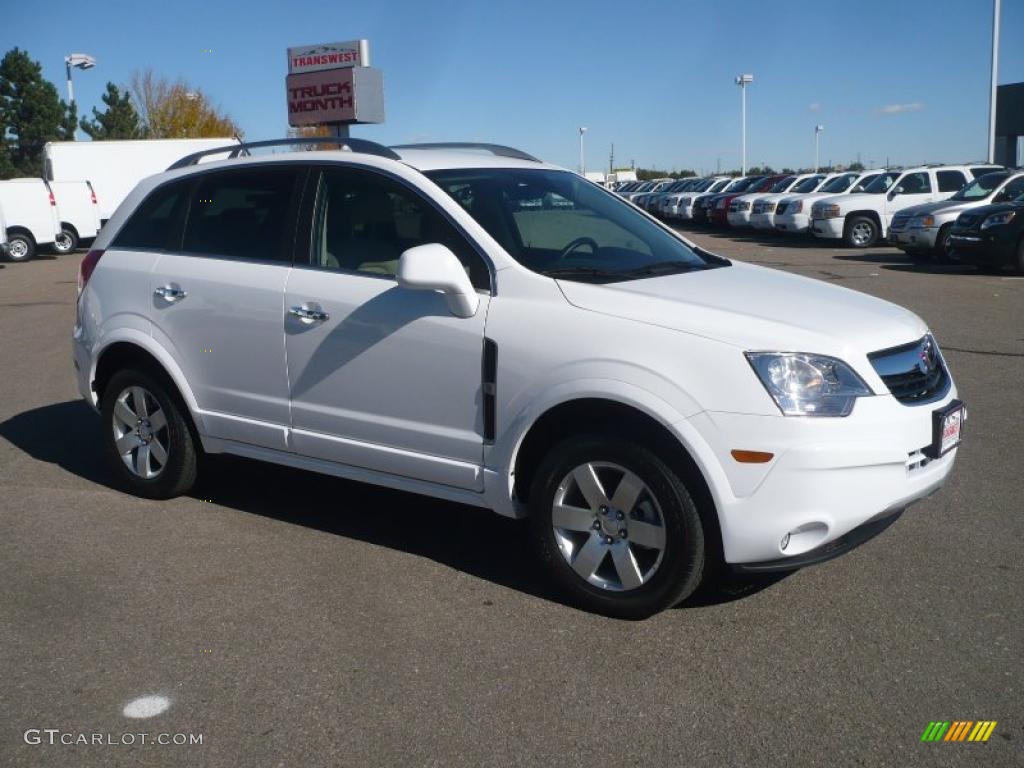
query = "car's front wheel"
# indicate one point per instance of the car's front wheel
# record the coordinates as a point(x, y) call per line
point(146, 437)
point(861, 232)
point(616, 527)
point(20, 246)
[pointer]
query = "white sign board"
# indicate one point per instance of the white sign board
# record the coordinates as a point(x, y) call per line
point(314, 58)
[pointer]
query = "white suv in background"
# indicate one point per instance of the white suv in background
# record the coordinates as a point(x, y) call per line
point(861, 220)
point(762, 211)
point(407, 317)
point(793, 212)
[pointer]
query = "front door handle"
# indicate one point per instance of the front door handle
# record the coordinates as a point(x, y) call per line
point(170, 293)
point(308, 314)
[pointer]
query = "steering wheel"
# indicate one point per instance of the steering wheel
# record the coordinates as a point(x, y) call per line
point(579, 241)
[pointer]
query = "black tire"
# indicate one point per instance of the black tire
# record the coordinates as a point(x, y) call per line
point(21, 246)
point(944, 252)
point(852, 234)
point(178, 474)
point(682, 566)
point(67, 240)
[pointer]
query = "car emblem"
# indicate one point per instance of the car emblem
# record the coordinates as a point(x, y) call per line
point(929, 360)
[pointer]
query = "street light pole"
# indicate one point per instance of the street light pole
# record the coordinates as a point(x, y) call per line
point(76, 61)
point(817, 132)
point(995, 76)
point(743, 81)
point(583, 166)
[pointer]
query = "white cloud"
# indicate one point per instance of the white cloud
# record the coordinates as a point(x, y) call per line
point(814, 106)
point(895, 109)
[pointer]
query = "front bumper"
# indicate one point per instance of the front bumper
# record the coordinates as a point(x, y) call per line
point(923, 239)
point(828, 477)
point(793, 222)
point(761, 220)
point(986, 248)
point(828, 228)
point(738, 218)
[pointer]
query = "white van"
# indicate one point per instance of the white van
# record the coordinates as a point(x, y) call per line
point(30, 213)
point(115, 167)
point(79, 214)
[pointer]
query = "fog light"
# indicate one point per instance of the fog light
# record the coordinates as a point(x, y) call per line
point(785, 542)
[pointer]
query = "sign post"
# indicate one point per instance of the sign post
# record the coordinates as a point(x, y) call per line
point(333, 84)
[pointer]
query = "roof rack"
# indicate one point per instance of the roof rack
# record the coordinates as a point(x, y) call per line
point(494, 149)
point(353, 145)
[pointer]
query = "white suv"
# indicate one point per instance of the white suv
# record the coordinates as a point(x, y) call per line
point(397, 316)
point(862, 219)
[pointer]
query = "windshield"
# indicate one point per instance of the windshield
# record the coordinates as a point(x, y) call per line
point(783, 185)
point(882, 182)
point(580, 232)
point(719, 185)
point(839, 183)
point(740, 184)
point(807, 185)
point(981, 187)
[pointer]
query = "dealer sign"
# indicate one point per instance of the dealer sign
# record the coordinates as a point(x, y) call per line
point(351, 95)
point(313, 58)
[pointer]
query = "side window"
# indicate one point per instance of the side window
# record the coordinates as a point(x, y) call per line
point(1014, 188)
point(156, 223)
point(242, 213)
point(364, 221)
point(915, 184)
point(950, 181)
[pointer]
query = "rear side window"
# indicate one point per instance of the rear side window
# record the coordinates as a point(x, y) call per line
point(242, 213)
point(915, 184)
point(156, 223)
point(950, 181)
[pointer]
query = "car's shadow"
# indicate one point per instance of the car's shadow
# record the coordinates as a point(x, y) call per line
point(471, 540)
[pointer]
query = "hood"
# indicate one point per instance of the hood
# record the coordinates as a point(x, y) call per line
point(943, 206)
point(981, 211)
point(756, 308)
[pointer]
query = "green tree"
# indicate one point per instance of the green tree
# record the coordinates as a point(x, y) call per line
point(118, 121)
point(31, 114)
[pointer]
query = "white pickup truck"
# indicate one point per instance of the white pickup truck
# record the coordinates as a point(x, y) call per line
point(863, 219)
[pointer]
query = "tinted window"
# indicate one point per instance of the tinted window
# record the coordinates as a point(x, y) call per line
point(365, 221)
point(242, 213)
point(981, 187)
point(950, 181)
point(879, 183)
point(156, 223)
point(1014, 189)
point(596, 237)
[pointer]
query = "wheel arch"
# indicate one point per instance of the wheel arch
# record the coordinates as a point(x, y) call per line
point(610, 415)
point(72, 227)
point(134, 348)
point(866, 213)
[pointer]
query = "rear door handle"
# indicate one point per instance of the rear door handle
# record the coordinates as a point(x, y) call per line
point(308, 314)
point(170, 293)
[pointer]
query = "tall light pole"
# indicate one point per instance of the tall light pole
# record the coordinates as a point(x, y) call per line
point(995, 76)
point(743, 81)
point(817, 132)
point(77, 61)
point(583, 166)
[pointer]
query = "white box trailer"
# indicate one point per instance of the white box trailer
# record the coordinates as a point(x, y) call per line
point(30, 216)
point(115, 167)
point(79, 214)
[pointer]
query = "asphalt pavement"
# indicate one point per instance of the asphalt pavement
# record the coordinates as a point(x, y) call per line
point(289, 619)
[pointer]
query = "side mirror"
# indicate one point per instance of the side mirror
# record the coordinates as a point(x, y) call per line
point(433, 267)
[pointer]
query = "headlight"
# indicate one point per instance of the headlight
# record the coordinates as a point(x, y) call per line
point(743, 205)
point(998, 219)
point(921, 222)
point(829, 211)
point(767, 207)
point(795, 207)
point(808, 385)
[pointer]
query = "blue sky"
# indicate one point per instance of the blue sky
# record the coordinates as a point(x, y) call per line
point(907, 80)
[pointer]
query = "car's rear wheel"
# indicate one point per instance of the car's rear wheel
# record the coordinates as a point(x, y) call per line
point(20, 246)
point(861, 232)
point(146, 436)
point(66, 241)
point(616, 527)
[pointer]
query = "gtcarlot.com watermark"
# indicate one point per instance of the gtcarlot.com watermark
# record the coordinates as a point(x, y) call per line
point(55, 736)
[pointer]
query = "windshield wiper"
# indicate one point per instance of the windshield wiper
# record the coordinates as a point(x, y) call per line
point(604, 274)
point(660, 268)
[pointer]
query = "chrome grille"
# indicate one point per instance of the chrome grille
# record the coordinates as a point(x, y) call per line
point(914, 373)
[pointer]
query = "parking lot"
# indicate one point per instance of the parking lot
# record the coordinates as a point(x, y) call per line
point(299, 620)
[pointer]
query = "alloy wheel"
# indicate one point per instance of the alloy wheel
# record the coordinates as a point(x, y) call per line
point(862, 233)
point(609, 526)
point(140, 432)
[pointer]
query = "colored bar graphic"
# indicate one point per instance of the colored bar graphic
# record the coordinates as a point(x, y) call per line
point(958, 730)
